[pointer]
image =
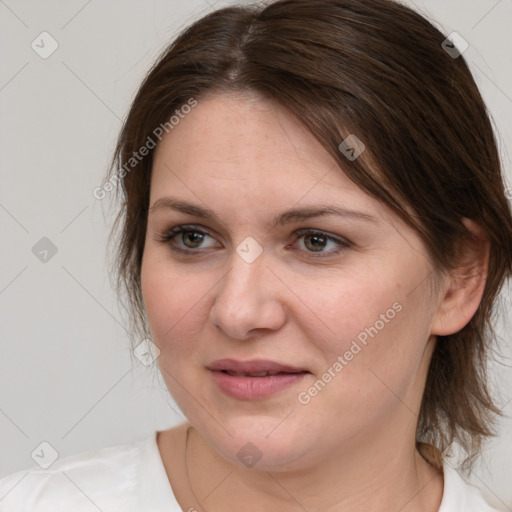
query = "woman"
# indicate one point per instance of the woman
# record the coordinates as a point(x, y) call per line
point(313, 234)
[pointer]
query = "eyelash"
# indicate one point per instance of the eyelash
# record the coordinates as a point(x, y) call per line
point(168, 236)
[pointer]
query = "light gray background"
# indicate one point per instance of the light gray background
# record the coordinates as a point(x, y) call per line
point(67, 376)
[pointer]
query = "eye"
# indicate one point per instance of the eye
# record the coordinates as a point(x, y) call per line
point(187, 238)
point(315, 241)
point(191, 237)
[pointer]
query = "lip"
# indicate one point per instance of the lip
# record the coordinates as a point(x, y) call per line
point(251, 387)
point(253, 366)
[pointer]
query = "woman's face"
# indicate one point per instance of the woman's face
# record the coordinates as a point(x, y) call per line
point(337, 307)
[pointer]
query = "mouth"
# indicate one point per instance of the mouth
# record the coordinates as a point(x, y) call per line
point(255, 374)
point(253, 368)
point(256, 379)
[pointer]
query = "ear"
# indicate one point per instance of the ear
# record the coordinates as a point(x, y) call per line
point(464, 286)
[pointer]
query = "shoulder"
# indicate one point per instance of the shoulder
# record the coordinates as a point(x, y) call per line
point(106, 477)
point(460, 496)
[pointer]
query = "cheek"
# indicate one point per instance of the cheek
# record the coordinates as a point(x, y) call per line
point(355, 307)
point(172, 301)
point(175, 307)
point(366, 330)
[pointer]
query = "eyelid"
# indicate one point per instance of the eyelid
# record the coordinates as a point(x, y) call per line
point(170, 234)
point(342, 242)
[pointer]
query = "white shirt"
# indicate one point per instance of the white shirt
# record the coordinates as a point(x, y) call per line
point(132, 478)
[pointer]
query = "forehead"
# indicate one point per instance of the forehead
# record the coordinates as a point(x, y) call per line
point(234, 131)
point(246, 143)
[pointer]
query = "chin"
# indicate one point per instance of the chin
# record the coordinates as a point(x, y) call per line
point(264, 443)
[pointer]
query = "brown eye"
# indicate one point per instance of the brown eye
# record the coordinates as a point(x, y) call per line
point(189, 239)
point(315, 242)
point(185, 238)
point(194, 237)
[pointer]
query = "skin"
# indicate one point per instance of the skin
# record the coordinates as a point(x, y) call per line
point(352, 447)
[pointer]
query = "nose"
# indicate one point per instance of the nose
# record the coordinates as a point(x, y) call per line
point(248, 299)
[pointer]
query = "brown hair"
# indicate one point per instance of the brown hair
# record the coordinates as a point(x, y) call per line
point(372, 68)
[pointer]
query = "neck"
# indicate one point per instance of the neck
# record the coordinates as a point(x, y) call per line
point(377, 479)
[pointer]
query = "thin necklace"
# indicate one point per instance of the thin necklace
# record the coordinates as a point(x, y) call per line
point(188, 476)
point(186, 469)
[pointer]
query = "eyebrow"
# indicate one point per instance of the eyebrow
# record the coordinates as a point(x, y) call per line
point(286, 217)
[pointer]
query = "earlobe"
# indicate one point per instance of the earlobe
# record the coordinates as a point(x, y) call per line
point(465, 284)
